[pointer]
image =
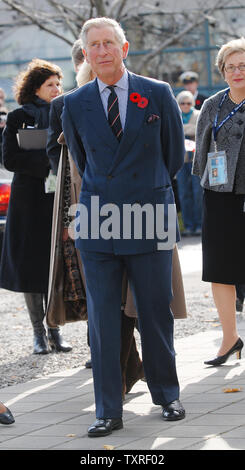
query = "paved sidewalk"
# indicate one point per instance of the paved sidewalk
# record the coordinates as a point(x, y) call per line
point(54, 412)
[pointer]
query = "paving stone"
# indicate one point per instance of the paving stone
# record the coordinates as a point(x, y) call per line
point(54, 413)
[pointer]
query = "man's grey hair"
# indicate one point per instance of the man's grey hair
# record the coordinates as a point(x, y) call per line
point(77, 53)
point(101, 23)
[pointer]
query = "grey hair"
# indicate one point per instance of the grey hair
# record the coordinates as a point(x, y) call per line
point(101, 23)
point(76, 53)
point(185, 94)
point(235, 45)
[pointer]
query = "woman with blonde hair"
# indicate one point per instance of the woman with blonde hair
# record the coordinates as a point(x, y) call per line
point(84, 74)
point(220, 163)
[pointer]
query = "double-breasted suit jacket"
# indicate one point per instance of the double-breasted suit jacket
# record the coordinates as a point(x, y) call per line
point(139, 170)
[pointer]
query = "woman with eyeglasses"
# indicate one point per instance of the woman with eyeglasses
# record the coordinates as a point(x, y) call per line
point(220, 163)
point(189, 189)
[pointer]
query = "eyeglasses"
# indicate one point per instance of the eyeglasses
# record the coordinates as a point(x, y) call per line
point(232, 68)
point(186, 103)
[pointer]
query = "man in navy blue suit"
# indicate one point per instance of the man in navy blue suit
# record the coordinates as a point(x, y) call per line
point(126, 137)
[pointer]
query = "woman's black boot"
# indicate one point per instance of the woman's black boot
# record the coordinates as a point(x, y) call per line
point(56, 340)
point(34, 303)
point(40, 343)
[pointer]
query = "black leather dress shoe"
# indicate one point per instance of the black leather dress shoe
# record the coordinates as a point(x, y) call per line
point(88, 364)
point(57, 342)
point(6, 417)
point(173, 411)
point(104, 426)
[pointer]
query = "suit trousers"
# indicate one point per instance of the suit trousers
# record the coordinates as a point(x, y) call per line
point(150, 279)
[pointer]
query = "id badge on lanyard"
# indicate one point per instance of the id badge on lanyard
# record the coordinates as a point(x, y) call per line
point(217, 168)
point(217, 160)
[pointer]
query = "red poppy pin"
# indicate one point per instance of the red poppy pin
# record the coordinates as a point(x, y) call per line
point(141, 101)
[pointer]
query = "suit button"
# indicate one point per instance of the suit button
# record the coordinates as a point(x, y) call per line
point(146, 145)
point(240, 122)
point(109, 177)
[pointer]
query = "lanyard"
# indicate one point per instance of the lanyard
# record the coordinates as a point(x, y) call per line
point(217, 127)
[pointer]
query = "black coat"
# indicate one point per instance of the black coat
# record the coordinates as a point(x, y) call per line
point(54, 130)
point(200, 100)
point(26, 245)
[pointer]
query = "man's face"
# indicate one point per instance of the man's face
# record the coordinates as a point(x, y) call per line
point(191, 86)
point(105, 54)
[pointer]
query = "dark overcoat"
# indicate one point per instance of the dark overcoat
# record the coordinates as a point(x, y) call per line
point(26, 245)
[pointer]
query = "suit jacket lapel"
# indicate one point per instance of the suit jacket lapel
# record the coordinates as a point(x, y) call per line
point(134, 118)
point(97, 118)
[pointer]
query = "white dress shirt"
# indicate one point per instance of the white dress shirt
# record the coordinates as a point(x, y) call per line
point(121, 89)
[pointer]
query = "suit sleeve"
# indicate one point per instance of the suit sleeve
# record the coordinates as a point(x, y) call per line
point(173, 143)
point(203, 139)
point(54, 131)
point(30, 162)
point(73, 140)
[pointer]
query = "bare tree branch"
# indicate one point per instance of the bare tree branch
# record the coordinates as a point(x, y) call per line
point(34, 20)
point(149, 27)
point(74, 11)
point(175, 38)
point(91, 8)
point(121, 6)
point(100, 7)
point(66, 18)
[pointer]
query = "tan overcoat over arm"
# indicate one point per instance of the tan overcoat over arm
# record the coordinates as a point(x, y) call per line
point(58, 310)
point(178, 304)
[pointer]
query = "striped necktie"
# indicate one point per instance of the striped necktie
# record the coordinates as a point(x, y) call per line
point(113, 114)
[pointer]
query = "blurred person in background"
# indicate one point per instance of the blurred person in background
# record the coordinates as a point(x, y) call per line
point(26, 245)
point(3, 118)
point(77, 55)
point(189, 188)
point(240, 296)
point(55, 124)
point(190, 82)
